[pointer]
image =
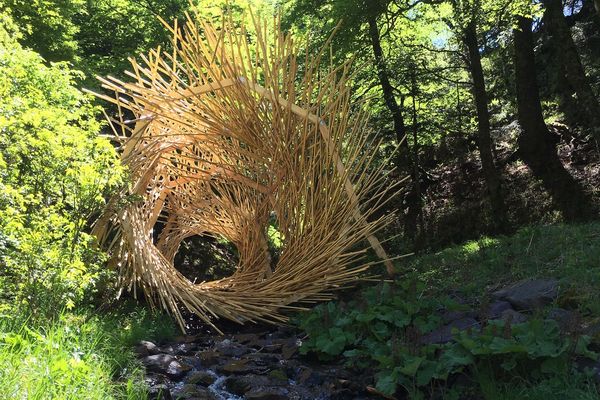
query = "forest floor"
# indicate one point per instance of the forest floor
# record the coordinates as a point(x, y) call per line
point(455, 208)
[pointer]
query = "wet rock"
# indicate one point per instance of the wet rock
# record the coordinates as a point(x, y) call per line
point(200, 378)
point(496, 309)
point(513, 316)
point(165, 364)
point(159, 392)
point(278, 374)
point(153, 379)
point(167, 349)
point(189, 392)
point(264, 358)
point(289, 348)
point(208, 357)
point(307, 376)
point(270, 393)
point(146, 348)
point(184, 348)
point(228, 348)
point(566, 319)
point(529, 294)
point(239, 385)
point(194, 362)
point(206, 396)
point(237, 367)
point(450, 316)
point(444, 333)
point(249, 339)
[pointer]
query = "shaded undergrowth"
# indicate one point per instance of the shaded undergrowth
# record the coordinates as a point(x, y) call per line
point(387, 327)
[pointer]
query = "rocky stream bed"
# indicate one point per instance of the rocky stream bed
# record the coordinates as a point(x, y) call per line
point(260, 362)
point(255, 364)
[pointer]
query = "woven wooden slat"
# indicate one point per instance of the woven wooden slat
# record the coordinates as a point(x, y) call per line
point(228, 131)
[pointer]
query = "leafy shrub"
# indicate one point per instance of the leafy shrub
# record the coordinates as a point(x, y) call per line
point(385, 327)
point(55, 172)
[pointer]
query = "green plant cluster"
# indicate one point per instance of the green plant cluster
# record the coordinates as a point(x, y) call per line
point(386, 329)
point(55, 172)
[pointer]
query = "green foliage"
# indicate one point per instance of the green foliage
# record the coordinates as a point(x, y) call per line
point(383, 330)
point(76, 356)
point(99, 36)
point(55, 172)
point(421, 55)
point(73, 30)
point(111, 31)
point(47, 26)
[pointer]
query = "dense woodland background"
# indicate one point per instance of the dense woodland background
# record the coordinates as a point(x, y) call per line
point(493, 105)
point(488, 120)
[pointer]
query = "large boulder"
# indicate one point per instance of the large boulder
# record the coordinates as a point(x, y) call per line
point(497, 308)
point(240, 385)
point(530, 294)
point(443, 334)
point(204, 378)
point(513, 316)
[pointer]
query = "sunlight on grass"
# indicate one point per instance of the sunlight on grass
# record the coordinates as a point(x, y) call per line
point(75, 357)
point(569, 253)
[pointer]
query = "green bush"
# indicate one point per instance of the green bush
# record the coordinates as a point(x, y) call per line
point(55, 172)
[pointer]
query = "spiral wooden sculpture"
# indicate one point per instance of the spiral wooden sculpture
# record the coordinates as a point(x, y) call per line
point(231, 130)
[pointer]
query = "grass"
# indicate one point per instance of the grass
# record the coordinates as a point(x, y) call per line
point(567, 252)
point(571, 387)
point(570, 253)
point(78, 356)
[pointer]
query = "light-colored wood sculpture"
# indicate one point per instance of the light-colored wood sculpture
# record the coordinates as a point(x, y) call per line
point(229, 130)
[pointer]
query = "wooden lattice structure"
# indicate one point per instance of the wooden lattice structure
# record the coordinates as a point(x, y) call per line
point(231, 130)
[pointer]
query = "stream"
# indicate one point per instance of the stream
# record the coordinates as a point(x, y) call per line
point(256, 362)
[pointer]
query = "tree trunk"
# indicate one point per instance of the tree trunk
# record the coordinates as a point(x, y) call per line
point(386, 86)
point(537, 147)
point(484, 140)
point(569, 57)
point(404, 158)
point(414, 215)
